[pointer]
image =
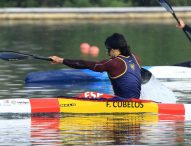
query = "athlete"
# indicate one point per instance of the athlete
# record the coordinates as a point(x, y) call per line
point(122, 67)
point(184, 26)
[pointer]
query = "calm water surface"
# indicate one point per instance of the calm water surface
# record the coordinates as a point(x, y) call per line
point(130, 129)
point(157, 43)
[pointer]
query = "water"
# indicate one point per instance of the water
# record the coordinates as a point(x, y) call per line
point(126, 129)
point(157, 43)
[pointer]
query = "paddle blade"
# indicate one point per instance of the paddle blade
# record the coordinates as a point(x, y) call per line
point(11, 56)
point(184, 64)
point(145, 76)
point(166, 5)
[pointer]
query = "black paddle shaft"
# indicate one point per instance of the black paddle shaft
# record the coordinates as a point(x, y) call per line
point(14, 56)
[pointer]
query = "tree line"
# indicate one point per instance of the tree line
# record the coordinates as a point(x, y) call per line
point(88, 3)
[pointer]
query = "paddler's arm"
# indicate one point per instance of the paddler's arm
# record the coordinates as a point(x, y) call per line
point(80, 64)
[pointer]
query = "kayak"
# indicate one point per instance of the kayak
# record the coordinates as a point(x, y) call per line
point(76, 75)
point(90, 106)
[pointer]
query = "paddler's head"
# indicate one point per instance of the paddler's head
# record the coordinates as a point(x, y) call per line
point(116, 45)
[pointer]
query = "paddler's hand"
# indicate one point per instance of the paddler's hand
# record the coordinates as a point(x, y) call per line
point(181, 25)
point(56, 60)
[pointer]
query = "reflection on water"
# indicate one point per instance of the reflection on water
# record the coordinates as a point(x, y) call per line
point(93, 129)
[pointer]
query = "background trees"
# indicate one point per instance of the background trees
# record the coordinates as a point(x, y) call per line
point(87, 3)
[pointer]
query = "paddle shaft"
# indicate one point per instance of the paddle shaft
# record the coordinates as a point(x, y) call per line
point(14, 55)
point(42, 58)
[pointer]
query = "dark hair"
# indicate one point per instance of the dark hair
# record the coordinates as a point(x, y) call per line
point(117, 41)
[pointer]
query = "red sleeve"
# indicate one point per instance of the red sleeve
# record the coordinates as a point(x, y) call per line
point(82, 64)
point(113, 66)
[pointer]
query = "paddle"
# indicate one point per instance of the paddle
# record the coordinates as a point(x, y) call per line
point(168, 7)
point(14, 56)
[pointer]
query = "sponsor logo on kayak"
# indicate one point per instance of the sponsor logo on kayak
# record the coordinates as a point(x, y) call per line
point(124, 104)
point(19, 102)
point(67, 105)
point(13, 102)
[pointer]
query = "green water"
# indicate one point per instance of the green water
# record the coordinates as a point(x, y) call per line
point(156, 43)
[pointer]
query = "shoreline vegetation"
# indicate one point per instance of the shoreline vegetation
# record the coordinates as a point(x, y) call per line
point(88, 3)
point(93, 13)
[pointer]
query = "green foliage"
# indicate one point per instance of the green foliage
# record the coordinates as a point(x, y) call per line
point(81, 3)
point(111, 3)
point(88, 3)
point(180, 2)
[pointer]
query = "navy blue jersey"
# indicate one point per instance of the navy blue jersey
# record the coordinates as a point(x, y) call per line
point(128, 83)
